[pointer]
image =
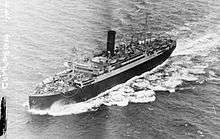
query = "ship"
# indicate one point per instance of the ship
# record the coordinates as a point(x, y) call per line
point(116, 65)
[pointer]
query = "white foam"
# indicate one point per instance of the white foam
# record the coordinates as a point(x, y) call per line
point(212, 73)
point(188, 77)
point(197, 71)
point(199, 46)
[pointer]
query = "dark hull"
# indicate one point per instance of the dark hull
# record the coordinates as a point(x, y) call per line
point(87, 92)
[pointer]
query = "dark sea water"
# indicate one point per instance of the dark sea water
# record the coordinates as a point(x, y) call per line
point(38, 36)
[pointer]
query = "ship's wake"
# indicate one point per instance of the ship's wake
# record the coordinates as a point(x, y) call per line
point(186, 68)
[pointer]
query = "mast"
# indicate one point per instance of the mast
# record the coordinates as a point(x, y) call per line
point(146, 23)
point(147, 27)
point(145, 31)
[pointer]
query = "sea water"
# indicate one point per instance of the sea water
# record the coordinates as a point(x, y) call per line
point(179, 99)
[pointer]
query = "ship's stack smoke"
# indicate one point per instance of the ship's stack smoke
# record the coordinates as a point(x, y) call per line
point(111, 41)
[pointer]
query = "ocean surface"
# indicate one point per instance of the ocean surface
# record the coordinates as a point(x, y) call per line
point(38, 36)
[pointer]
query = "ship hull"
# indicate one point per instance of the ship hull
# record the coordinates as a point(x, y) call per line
point(90, 91)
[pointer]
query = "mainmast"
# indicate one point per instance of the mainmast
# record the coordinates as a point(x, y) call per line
point(147, 26)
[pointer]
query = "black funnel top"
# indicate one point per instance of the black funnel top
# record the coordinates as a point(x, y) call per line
point(111, 41)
